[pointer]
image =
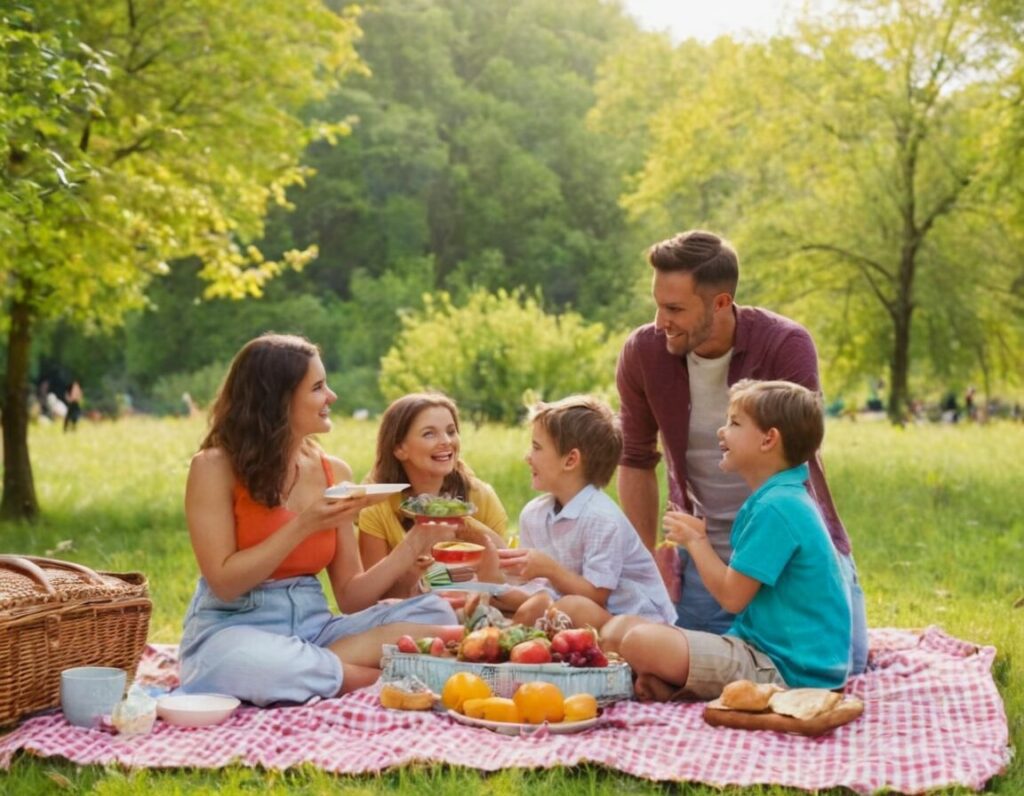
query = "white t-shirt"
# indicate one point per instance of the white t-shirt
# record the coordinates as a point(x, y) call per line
point(716, 496)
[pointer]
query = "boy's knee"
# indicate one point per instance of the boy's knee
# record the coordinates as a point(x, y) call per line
point(613, 631)
point(641, 644)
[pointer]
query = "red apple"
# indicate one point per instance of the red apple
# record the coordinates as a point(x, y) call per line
point(533, 651)
point(577, 639)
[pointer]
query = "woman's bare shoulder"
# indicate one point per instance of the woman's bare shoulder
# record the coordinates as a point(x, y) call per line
point(339, 468)
point(212, 462)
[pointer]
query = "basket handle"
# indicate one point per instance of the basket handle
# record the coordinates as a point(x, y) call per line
point(29, 565)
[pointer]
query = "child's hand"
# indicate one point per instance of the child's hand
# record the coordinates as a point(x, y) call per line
point(525, 563)
point(683, 528)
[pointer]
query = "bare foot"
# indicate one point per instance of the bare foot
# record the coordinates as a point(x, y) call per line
point(649, 688)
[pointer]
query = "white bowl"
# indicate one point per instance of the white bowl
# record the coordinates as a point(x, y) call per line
point(196, 710)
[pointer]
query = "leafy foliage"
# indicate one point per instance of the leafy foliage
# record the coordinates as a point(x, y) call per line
point(497, 352)
point(860, 167)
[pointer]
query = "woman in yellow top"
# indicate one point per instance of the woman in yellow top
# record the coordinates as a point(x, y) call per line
point(418, 443)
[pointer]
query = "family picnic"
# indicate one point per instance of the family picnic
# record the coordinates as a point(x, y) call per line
point(740, 594)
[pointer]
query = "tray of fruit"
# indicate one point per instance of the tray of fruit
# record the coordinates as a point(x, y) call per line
point(437, 508)
point(507, 657)
point(534, 705)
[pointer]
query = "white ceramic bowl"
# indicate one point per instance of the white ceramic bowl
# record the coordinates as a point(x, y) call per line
point(196, 710)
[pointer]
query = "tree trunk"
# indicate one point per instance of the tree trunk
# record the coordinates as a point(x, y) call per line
point(19, 500)
point(902, 311)
point(899, 366)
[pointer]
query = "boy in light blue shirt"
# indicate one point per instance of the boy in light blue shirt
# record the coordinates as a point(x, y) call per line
point(793, 623)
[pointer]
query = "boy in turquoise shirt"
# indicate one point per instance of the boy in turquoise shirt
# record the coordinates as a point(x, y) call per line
point(783, 582)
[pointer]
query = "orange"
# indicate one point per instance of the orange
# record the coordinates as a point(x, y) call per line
point(462, 686)
point(500, 709)
point(539, 702)
point(580, 707)
point(474, 708)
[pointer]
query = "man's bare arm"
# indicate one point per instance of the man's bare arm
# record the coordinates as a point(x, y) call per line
point(638, 494)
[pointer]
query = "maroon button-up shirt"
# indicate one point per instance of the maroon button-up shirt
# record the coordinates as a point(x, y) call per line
point(654, 391)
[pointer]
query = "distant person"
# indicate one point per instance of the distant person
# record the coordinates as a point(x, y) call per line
point(192, 410)
point(673, 379)
point(262, 530)
point(793, 616)
point(969, 408)
point(419, 443)
point(55, 407)
point(950, 409)
point(575, 535)
point(73, 397)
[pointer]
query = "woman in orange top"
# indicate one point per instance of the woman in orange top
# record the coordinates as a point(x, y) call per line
point(258, 626)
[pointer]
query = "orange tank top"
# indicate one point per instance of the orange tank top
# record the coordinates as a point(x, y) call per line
point(254, 522)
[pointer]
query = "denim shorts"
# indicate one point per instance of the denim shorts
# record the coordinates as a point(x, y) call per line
point(270, 644)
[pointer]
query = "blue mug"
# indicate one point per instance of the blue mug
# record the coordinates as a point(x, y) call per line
point(88, 693)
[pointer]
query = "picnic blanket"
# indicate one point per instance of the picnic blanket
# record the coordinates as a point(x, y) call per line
point(933, 718)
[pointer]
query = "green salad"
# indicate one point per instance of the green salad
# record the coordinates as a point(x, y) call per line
point(437, 506)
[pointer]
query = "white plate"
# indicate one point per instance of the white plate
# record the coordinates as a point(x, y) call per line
point(344, 490)
point(508, 728)
point(196, 710)
point(473, 585)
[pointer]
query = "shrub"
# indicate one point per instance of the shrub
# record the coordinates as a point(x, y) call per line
point(497, 351)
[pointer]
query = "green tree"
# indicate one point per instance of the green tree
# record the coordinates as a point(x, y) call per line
point(135, 133)
point(857, 166)
point(496, 351)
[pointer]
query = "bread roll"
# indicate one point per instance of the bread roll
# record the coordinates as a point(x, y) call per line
point(747, 695)
point(397, 698)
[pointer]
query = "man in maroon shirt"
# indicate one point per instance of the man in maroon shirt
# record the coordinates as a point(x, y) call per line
point(673, 378)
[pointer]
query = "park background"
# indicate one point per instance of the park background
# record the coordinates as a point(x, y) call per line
point(458, 193)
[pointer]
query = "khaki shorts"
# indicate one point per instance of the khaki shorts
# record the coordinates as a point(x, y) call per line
point(716, 661)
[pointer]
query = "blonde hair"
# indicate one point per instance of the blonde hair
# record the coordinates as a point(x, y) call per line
point(587, 424)
point(798, 414)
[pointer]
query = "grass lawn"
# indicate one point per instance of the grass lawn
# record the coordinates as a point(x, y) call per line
point(936, 514)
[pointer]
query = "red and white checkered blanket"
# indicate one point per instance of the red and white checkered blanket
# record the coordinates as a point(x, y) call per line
point(932, 718)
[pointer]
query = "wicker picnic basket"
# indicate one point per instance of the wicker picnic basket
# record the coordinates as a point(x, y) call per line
point(55, 615)
point(608, 684)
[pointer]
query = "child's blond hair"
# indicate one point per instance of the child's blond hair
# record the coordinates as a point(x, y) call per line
point(587, 424)
point(798, 414)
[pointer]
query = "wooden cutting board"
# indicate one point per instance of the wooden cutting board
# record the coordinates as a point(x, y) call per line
point(843, 713)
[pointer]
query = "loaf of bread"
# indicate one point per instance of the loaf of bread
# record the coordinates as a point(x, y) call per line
point(747, 695)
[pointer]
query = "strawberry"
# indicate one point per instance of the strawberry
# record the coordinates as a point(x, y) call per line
point(407, 644)
point(437, 648)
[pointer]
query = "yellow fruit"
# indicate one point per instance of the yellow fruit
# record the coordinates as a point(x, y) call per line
point(500, 709)
point(462, 686)
point(580, 707)
point(539, 702)
point(474, 708)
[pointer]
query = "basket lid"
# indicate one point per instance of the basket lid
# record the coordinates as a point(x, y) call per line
point(27, 582)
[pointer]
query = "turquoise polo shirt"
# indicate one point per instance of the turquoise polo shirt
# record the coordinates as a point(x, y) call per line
point(800, 617)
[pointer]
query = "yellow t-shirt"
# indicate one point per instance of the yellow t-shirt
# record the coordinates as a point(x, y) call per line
point(384, 520)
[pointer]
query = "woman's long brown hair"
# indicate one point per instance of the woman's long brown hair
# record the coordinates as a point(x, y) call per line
point(394, 426)
point(249, 419)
